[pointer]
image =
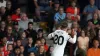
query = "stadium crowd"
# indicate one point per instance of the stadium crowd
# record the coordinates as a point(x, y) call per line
point(19, 38)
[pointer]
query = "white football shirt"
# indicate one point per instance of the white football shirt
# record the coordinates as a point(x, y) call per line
point(60, 39)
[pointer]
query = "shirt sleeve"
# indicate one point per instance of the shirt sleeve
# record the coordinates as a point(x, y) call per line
point(56, 17)
point(72, 40)
point(51, 35)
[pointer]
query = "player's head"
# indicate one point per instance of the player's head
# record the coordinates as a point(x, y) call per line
point(64, 26)
point(58, 26)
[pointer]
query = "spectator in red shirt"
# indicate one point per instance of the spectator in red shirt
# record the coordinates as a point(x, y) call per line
point(73, 12)
point(16, 16)
point(43, 41)
point(4, 42)
point(1, 50)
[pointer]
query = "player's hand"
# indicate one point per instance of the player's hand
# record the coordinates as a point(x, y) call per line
point(73, 32)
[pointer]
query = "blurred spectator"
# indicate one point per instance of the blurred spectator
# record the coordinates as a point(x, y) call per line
point(51, 15)
point(43, 42)
point(94, 51)
point(2, 25)
point(95, 21)
point(4, 40)
point(1, 50)
point(23, 23)
point(83, 42)
point(2, 29)
point(90, 9)
point(22, 50)
point(73, 12)
point(10, 48)
point(9, 34)
point(8, 8)
point(23, 38)
point(50, 51)
point(59, 16)
point(9, 21)
point(42, 5)
point(42, 51)
point(5, 43)
point(31, 54)
point(17, 51)
point(18, 43)
point(90, 28)
point(2, 3)
point(40, 34)
point(29, 45)
point(36, 47)
point(16, 31)
point(3, 13)
point(16, 15)
point(21, 54)
point(76, 26)
point(31, 32)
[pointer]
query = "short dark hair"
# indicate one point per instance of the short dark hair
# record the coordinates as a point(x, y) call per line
point(58, 25)
point(16, 48)
point(30, 23)
point(64, 25)
point(40, 30)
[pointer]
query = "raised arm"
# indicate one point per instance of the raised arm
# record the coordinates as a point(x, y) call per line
point(72, 40)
